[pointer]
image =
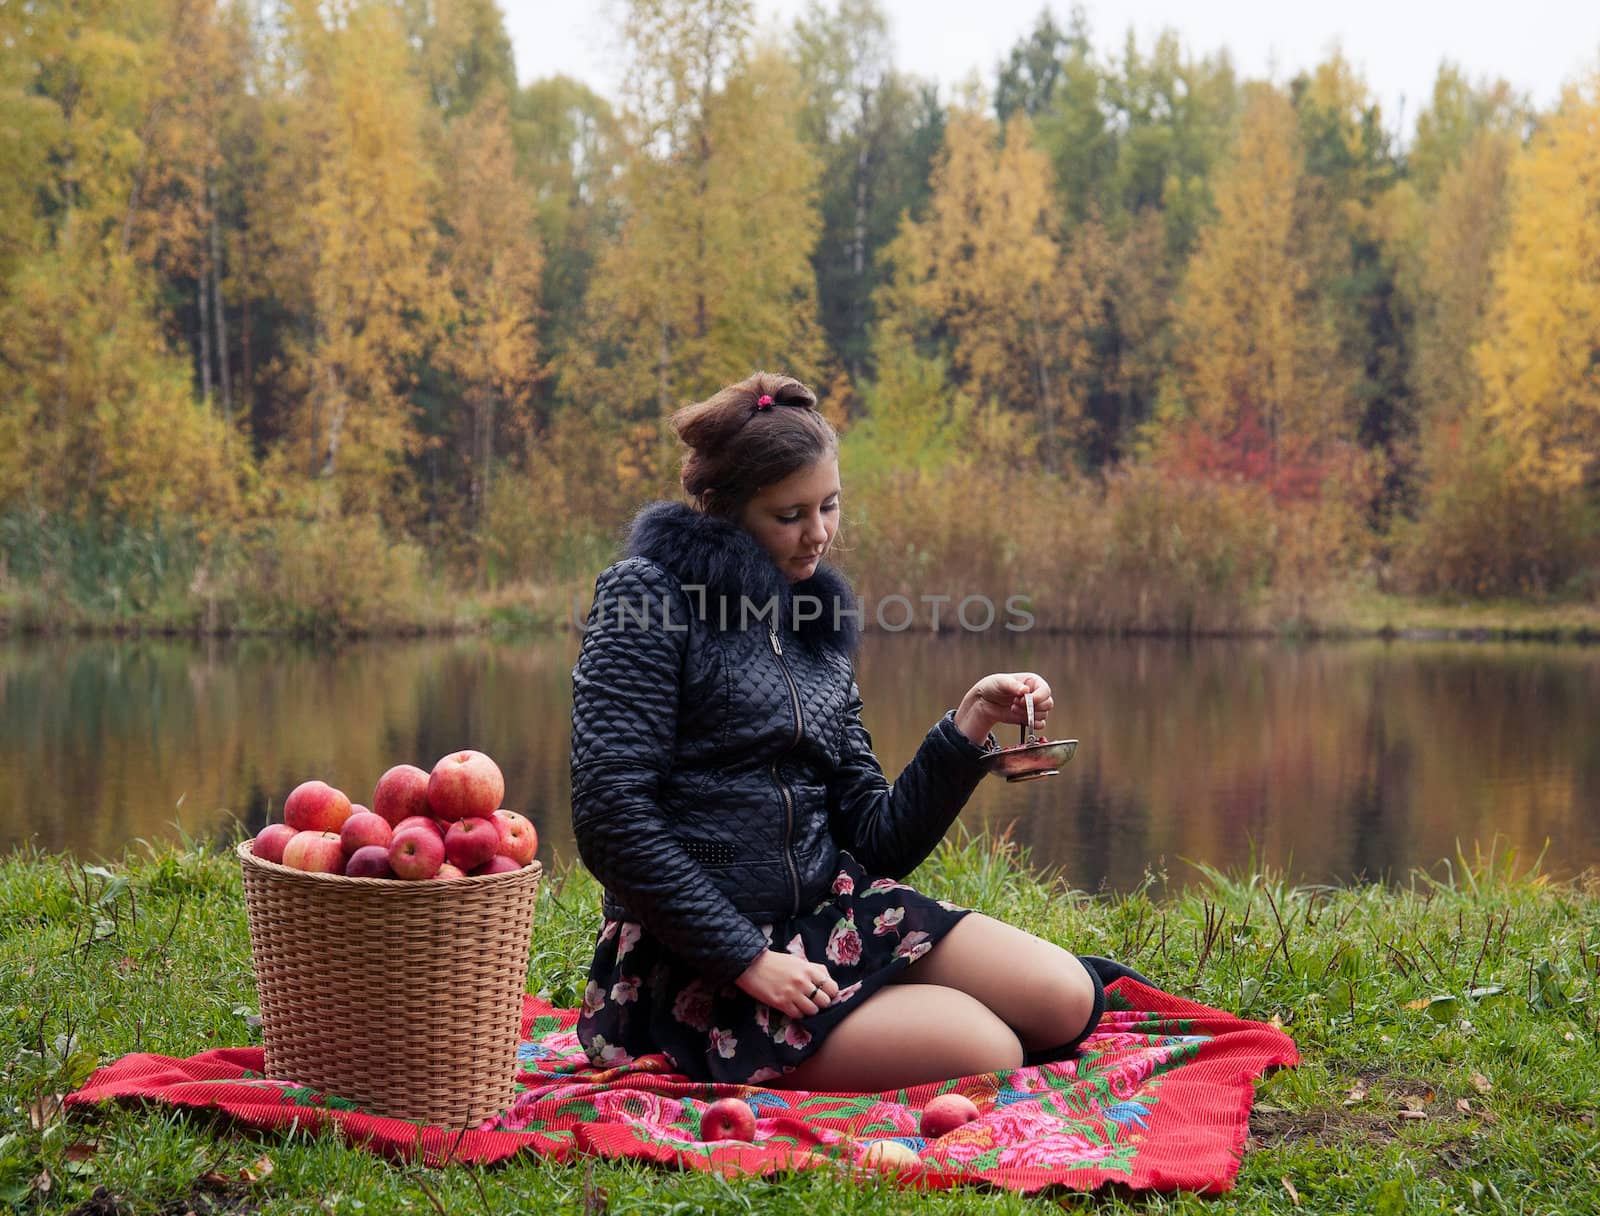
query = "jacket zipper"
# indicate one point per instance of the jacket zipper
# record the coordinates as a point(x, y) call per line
point(788, 798)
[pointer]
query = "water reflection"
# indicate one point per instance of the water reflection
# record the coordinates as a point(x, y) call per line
point(1333, 760)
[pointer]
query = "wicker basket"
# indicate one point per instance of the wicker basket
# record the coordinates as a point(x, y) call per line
point(404, 997)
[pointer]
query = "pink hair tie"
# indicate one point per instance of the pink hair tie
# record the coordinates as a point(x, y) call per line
point(764, 401)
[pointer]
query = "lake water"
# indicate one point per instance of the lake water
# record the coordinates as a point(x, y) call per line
point(1333, 761)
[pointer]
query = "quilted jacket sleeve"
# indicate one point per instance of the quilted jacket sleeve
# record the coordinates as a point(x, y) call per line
point(624, 727)
point(891, 828)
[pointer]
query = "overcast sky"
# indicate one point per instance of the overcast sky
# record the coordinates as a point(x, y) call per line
point(1536, 45)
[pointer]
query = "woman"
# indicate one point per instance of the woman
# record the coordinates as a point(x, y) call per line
point(725, 792)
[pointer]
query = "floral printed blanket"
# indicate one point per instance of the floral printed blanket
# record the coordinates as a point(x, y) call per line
point(1158, 1098)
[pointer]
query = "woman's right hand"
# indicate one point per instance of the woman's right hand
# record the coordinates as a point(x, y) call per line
point(791, 985)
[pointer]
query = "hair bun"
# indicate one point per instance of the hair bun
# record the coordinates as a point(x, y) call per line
point(729, 458)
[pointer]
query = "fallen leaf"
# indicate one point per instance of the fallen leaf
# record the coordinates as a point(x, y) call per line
point(1358, 1092)
point(1463, 1106)
point(1275, 1022)
point(1413, 1114)
point(1482, 1083)
point(45, 1111)
point(82, 1150)
point(1294, 1195)
point(42, 1182)
point(258, 1172)
point(1422, 1002)
point(1570, 1037)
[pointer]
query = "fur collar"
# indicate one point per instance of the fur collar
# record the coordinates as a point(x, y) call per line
point(704, 551)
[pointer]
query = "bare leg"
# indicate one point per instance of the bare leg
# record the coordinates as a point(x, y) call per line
point(905, 1034)
point(1038, 989)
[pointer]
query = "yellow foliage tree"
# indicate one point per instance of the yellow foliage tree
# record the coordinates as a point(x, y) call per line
point(352, 245)
point(1255, 332)
point(1539, 361)
point(96, 414)
point(1464, 228)
point(494, 262)
point(984, 267)
point(711, 277)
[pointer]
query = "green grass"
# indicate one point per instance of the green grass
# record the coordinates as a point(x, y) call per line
point(1448, 1026)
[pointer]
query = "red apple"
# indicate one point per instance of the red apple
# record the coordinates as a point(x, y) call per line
point(420, 821)
point(369, 861)
point(498, 864)
point(401, 793)
point(315, 806)
point(946, 1113)
point(416, 853)
point(728, 1119)
point(449, 871)
point(471, 842)
point(465, 785)
point(519, 839)
point(364, 828)
point(315, 852)
point(270, 841)
point(442, 826)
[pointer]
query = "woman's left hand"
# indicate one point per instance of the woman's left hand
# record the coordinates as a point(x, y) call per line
point(999, 698)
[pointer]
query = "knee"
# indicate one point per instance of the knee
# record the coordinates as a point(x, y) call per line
point(982, 1042)
point(1064, 1001)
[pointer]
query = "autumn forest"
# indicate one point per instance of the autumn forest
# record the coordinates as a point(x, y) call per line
point(313, 318)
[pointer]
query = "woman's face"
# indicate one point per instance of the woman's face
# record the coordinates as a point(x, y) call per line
point(795, 519)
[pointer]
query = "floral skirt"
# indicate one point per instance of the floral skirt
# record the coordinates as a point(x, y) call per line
point(641, 998)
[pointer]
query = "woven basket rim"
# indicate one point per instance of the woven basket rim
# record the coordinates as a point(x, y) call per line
point(400, 887)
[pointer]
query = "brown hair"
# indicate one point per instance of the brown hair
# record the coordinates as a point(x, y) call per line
point(749, 435)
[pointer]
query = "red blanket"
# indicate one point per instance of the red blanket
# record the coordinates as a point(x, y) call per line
point(1159, 1098)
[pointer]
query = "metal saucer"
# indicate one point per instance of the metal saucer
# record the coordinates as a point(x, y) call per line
point(1034, 757)
point(1032, 760)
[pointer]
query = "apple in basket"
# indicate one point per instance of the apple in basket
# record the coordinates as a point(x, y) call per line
point(471, 842)
point(369, 861)
point(416, 853)
point(401, 793)
point(418, 821)
point(449, 871)
point(519, 839)
point(946, 1113)
point(728, 1119)
point(271, 840)
point(362, 829)
point(315, 852)
point(315, 806)
point(465, 785)
point(498, 864)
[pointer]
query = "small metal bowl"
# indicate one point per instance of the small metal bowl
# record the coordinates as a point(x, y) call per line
point(1030, 761)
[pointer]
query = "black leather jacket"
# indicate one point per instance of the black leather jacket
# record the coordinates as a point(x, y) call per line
point(717, 771)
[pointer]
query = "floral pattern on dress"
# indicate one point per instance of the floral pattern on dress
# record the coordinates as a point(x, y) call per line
point(844, 943)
